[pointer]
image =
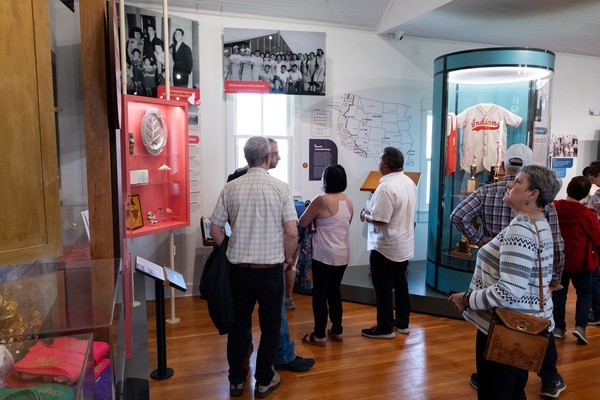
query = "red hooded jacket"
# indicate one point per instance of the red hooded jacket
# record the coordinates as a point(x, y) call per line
point(580, 230)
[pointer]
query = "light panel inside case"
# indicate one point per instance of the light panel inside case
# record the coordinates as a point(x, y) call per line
point(498, 75)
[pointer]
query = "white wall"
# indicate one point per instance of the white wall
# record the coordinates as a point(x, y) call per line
point(359, 62)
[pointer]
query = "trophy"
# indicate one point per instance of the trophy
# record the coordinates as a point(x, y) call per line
point(496, 175)
point(472, 182)
point(462, 249)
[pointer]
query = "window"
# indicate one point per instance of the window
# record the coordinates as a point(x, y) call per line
point(268, 115)
point(429, 138)
point(424, 187)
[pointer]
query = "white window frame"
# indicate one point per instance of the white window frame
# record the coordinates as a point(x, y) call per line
point(235, 158)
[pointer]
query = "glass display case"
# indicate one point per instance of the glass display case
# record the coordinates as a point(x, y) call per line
point(60, 368)
point(54, 301)
point(155, 165)
point(485, 100)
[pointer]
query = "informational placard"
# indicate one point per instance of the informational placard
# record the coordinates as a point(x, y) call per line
point(321, 154)
point(321, 123)
point(163, 274)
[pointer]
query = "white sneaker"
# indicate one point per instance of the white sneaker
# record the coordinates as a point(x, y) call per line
point(579, 333)
point(559, 333)
point(404, 331)
point(289, 304)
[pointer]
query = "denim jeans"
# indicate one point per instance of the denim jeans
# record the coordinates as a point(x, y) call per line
point(389, 279)
point(549, 373)
point(582, 281)
point(287, 349)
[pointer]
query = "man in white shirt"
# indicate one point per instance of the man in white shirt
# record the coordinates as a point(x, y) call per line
point(391, 241)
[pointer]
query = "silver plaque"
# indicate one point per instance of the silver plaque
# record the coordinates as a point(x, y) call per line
point(154, 131)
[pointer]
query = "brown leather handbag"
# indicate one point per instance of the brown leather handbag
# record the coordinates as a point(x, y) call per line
point(517, 339)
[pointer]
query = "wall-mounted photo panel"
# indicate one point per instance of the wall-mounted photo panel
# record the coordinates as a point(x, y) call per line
point(146, 54)
point(270, 61)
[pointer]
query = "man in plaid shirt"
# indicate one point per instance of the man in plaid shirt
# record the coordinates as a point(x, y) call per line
point(487, 204)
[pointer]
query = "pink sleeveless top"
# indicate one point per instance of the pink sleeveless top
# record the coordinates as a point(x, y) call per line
point(330, 243)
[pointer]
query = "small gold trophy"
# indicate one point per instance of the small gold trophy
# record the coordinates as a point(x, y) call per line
point(472, 182)
point(462, 249)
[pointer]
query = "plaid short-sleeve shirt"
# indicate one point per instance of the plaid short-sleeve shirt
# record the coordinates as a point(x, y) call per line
point(257, 206)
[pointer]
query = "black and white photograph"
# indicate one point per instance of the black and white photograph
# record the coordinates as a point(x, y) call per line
point(145, 52)
point(284, 62)
point(564, 146)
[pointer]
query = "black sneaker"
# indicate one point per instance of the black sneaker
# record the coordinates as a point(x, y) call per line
point(298, 364)
point(473, 380)
point(553, 388)
point(236, 390)
point(376, 333)
point(593, 320)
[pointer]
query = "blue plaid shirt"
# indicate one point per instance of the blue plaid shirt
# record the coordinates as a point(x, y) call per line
point(486, 203)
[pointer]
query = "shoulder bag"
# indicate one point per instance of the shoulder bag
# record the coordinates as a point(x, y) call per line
point(517, 339)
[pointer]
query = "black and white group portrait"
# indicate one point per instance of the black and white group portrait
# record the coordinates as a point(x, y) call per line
point(146, 54)
point(288, 62)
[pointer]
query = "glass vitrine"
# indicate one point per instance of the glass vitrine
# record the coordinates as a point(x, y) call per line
point(485, 100)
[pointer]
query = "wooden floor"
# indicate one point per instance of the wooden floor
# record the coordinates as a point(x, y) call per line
point(433, 362)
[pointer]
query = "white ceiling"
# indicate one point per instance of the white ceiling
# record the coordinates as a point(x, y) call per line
point(566, 26)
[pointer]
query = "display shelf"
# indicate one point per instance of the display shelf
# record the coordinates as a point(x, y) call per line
point(485, 100)
point(155, 165)
point(58, 368)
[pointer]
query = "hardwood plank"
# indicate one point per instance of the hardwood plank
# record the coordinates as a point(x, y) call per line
point(433, 362)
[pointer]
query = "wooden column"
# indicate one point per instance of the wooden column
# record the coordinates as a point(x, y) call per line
point(100, 176)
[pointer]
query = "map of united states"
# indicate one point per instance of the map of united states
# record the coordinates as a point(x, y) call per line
point(367, 126)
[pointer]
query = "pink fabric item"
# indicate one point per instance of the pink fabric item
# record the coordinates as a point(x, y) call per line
point(59, 362)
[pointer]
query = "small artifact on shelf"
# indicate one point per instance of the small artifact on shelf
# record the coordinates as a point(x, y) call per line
point(131, 143)
point(152, 218)
point(462, 249)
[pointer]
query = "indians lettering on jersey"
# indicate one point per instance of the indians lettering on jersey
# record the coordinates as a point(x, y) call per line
point(484, 124)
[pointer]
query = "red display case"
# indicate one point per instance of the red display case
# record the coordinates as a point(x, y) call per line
point(155, 165)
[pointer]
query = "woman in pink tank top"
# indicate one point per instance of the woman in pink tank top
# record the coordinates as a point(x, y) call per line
point(331, 214)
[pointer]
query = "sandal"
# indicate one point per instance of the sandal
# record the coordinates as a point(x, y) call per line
point(336, 338)
point(310, 338)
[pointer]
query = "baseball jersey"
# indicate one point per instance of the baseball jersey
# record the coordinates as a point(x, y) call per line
point(483, 126)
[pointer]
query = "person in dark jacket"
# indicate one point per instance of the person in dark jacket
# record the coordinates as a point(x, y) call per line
point(581, 232)
point(182, 60)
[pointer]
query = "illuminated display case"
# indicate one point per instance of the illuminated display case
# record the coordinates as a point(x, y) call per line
point(66, 306)
point(59, 368)
point(485, 100)
point(155, 165)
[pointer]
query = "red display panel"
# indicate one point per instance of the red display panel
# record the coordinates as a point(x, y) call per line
point(155, 165)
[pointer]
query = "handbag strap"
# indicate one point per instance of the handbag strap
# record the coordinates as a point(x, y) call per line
point(539, 250)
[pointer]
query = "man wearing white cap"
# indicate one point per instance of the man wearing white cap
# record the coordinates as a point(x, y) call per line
point(487, 204)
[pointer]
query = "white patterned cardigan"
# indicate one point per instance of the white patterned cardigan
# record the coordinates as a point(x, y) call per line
point(506, 273)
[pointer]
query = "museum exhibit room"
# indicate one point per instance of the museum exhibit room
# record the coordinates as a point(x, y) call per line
point(312, 199)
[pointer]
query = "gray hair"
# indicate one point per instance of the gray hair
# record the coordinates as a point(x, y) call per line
point(256, 149)
point(545, 181)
